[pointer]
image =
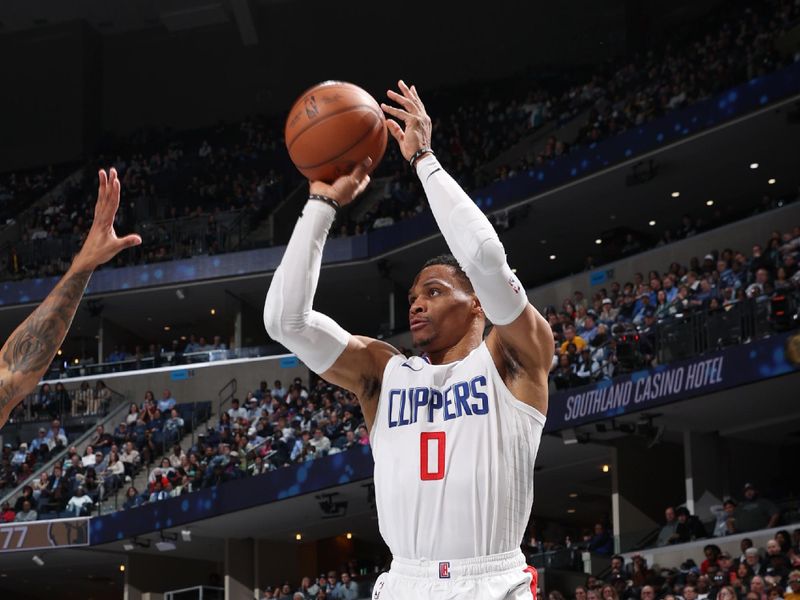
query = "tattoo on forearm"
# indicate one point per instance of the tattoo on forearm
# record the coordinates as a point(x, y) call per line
point(31, 348)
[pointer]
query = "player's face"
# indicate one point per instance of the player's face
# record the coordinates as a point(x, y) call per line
point(441, 310)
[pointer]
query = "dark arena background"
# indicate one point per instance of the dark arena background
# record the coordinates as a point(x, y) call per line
point(641, 164)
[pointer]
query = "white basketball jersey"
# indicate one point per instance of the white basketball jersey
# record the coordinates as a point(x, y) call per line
point(454, 453)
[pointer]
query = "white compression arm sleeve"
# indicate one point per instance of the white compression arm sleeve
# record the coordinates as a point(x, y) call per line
point(316, 339)
point(474, 243)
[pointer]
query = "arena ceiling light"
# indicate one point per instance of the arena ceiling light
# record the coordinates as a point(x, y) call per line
point(571, 511)
point(651, 223)
point(771, 181)
point(753, 166)
point(598, 241)
point(552, 257)
point(709, 203)
point(676, 194)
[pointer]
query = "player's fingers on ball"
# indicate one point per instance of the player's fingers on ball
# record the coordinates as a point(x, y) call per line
point(396, 112)
point(394, 129)
point(406, 103)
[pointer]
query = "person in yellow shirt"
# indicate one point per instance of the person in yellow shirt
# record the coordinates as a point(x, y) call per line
point(570, 337)
point(793, 591)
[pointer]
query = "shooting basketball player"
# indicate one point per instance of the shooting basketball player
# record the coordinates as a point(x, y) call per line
point(28, 352)
point(455, 436)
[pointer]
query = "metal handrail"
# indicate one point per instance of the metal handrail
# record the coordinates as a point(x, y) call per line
point(221, 402)
point(46, 467)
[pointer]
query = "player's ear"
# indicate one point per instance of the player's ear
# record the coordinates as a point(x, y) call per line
point(477, 309)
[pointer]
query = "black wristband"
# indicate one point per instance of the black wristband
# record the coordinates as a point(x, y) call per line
point(416, 156)
point(327, 200)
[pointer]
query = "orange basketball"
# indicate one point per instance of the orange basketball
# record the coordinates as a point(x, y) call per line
point(332, 127)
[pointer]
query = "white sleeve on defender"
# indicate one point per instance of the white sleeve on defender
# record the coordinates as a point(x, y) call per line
point(474, 243)
point(316, 338)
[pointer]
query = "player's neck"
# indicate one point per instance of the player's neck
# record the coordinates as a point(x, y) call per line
point(458, 351)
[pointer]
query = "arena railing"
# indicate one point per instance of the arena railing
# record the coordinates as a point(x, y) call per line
point(164, 359)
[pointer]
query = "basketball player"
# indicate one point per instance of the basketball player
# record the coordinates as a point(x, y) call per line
point(29, 351)
point(455, 436)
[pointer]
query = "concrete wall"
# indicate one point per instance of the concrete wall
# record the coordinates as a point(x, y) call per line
point(673, 556)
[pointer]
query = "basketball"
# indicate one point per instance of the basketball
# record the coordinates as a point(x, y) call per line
point(331, 128)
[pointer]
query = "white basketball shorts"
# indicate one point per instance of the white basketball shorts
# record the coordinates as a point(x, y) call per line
point(497, 577)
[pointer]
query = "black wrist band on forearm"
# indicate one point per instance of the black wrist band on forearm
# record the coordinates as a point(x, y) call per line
point(327, 200)
point(418, 154)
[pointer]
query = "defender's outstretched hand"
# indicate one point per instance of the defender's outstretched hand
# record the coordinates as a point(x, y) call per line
point(347, 188)
point(417, 132)
point(102, 243)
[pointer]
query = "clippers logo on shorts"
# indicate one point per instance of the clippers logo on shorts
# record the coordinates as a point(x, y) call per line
point(515, 285)
point(444, 570)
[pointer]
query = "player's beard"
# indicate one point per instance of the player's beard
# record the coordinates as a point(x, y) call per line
point(423, 342)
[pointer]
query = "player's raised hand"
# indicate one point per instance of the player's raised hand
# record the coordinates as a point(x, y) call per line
point(417, 132)
point(102, 243)
point(347, 188)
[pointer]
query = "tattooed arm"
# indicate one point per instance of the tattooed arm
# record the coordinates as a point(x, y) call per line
point(29, 351)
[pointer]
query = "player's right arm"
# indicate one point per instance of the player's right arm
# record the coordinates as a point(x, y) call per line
point(355, 363)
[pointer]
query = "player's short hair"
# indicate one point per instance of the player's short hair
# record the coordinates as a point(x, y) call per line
point(449, 260)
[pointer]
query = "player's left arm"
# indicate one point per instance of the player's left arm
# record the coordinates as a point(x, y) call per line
point(521, 342)
point(28, 352)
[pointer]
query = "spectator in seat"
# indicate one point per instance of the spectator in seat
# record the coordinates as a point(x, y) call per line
point(20, 455)
point(755, 512)
point(278, 391)
point(758, 586)
point(777, 568)
point(588, 369)
point(130, 458)
point(133, 414)
point(27, 494)
point(726, 520)
point(83, 397)
point(711, 553)
point(793, 591)
point(668, 530)
point(56, 434)
point(167, 402)
point(132, 499)
point(363, 435)
point(27, 513)
point(80, 504)
point(173, 427)
point(347, 588)
point(39, 444)
point(689, 527)
point(571, 337)
point(236, 412)
point(45, 400)
point(601, 542)
point(102, 441)
point(7, 514)
point(320, 443)
point(159, 493)
point(726, 568)
point(102, 396)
